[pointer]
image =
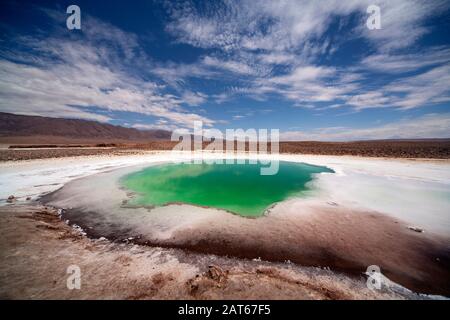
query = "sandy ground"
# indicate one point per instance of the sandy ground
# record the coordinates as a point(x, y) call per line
point(31, 270)
point(344, 225)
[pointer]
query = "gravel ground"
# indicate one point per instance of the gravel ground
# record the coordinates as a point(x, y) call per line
point(425, 149)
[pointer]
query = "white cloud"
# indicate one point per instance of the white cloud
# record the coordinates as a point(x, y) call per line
point(254, 38)
point(368, 100)
point(70, 75)
point(427, 126)
point(232, 66)
point(277, 58)
point(176, 73)
point(403, 22)
point(283, 25)
point(303, 74)
point(159, 125)
point(398, 63)
point(427, 88)
point(307, 84)
point(194, 98)
point(263, 48)
point(421, 90)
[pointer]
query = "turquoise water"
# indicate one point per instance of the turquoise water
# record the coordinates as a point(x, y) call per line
point(239, 188)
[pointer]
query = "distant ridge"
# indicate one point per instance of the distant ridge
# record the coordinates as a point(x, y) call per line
point(53, 130)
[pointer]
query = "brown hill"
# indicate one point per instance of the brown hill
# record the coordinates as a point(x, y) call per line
point(26, 129)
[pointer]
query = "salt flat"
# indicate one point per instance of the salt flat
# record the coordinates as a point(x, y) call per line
point(416, 191)
point(360, 215)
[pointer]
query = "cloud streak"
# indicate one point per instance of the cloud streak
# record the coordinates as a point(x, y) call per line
point(276, 47)
point(428, 126)
point(286, 53)
point(74, 74)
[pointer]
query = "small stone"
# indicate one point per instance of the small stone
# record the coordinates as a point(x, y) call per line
point(416, 229)
point(11, 199)
point(28, 198)
point(216, 273)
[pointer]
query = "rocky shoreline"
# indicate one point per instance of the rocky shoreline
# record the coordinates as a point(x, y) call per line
point(36, 248)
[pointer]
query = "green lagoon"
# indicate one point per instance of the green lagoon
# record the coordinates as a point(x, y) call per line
point(239, 188)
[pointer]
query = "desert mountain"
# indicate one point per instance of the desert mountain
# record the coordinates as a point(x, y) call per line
point(13, 126)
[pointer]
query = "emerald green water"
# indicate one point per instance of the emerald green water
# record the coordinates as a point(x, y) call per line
point(239, 188)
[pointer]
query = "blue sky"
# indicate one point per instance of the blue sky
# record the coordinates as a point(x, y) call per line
point(309, 68)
